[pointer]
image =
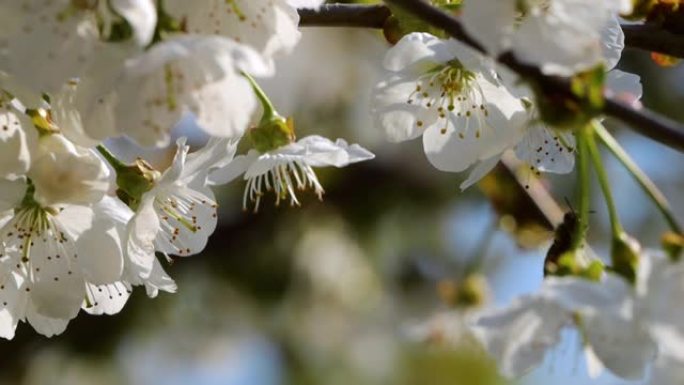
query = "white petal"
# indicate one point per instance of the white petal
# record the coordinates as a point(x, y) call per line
point(11, 193)
point(305, 3)
point(467, 140)
point(44, 33)
point(416, 52)
point(270, 26)
point(624, 86)
point(187, 218)
point(101, 253)
point(318, 151)
point(158, 280)
point(613, 42)
point(234, 169)
point(224, 109)
point(217, 153)
point(479, 171)
point(13, 298)
point(106, 299)
point(142, 231)
point(547, 150)
point(558, 41)
point(57, 287)
point(64, 173)
point(46, 326)
point(490, 22)
point(594, 365)
point(14, 153)
point(176, 76)
point(624, 346)
point(574, 294)
point(392, 112)
point(519, 336)
point(141, 16)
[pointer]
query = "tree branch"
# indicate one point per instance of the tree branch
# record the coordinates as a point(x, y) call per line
point(645, 122)
point(345, 15)
point(654, 39)
point(645, 37)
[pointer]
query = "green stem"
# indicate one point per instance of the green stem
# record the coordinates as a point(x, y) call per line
point(602, 175)
point(111, 159)
point(644, 181)
point(269, 110)
point(584, 181)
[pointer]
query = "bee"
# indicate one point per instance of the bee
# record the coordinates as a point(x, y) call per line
point(564, 237)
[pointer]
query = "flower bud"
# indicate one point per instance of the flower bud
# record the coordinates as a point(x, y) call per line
point(134, 181)
point(673, 244)
point(472, 291)
point(625, 256)
point(272, 133)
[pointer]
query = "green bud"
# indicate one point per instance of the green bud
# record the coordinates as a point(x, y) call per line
point(392, 30)
point(594, 271)
point(272, 133)
point(472, 291)
point(134, 181)
point(673, 244)
point(625, 256)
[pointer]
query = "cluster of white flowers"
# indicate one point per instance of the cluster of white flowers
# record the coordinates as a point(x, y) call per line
point(80, 228)
point(469, 111)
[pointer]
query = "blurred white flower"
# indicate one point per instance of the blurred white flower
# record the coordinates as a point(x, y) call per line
point(519, 336)
point(146, 95)
point(288, 168)
point(45, 43)
point(268, 26)
point(562, 37)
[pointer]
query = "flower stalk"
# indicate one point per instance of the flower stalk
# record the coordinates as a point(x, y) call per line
point(646, 184)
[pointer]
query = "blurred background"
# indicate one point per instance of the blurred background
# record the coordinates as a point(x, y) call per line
point(370, 286)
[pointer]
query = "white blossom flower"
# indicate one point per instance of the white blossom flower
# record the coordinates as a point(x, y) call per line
point(519, 336)
point(442, 90)
point(288, 168)
point(562, 37)
point(149, 95)
point(269, 26)
point(46, 264)
point(178, 214)
point(44, 43)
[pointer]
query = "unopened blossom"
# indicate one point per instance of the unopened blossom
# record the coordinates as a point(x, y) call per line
point(44, 43)
point(446, 93)
point(519, 336)
point(178, 213)
point(268, 26)
point(562, 37)
point(288, 168)
point(148, 95)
